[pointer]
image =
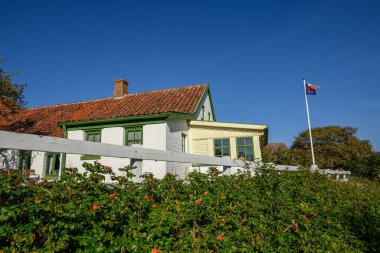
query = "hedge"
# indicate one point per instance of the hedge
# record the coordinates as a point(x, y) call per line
point(270, 211)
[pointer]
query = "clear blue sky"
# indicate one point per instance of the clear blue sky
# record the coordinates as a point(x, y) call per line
point(254, 55)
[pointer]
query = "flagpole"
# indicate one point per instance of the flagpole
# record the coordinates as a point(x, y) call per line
point(308, 121)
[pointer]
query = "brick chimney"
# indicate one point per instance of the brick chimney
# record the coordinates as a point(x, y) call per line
point(121, 88)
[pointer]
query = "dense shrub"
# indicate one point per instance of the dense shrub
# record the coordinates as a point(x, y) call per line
point(368, 166)
point(272, 211)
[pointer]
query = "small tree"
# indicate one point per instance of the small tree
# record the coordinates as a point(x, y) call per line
point(11, 95)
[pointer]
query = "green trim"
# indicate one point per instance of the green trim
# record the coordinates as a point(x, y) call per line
point(86, 134)
point(94, 132)
point(114, 121)
point(222, 147)
point(63, 156)
point(24, 158)
point(90, 157)
point(245, 146)
point(50, 177)
point(133, 129)
point(178, 115)
point(84, 128)
point(201, 102)
point(198, 108)
point(211, 103)
point(46, 167)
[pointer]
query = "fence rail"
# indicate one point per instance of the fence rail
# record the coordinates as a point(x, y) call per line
point(20, 141)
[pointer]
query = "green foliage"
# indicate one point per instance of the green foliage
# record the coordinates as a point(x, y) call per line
point(272, 211)
point(335, 148)
point(11, 95)
point(368, 166)
point(282, 156)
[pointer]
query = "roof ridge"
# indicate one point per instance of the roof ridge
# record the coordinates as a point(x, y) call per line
point(169, 89)
point(72, 103)
point(127, 95)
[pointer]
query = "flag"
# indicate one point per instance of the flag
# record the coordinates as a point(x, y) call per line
point(311, 89)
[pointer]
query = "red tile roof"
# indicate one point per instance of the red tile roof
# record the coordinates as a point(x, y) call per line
point(43, 120)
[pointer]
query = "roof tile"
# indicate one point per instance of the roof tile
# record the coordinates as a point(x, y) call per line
point(43, 120)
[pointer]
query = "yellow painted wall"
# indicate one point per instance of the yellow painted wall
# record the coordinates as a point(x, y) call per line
point(202, 135)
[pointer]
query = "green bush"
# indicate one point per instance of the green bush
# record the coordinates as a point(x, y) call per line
point(272, 211)
point(368, 166)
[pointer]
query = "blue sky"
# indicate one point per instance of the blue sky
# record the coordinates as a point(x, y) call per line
point(254, 55)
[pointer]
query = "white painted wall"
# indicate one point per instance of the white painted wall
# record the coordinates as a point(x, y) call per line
point(38, 162)
point(113, 135)
point(73, 160)
point(154, 136)
point(207, 105)
point(174, 130)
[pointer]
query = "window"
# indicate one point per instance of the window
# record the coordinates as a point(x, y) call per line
point(24, 159)
point(93, 135)
point(245, 148)
point(133, 136)
point(209, 116)
point(52, 164)
point(203, 113)
point(183, 143)
point(222, 147)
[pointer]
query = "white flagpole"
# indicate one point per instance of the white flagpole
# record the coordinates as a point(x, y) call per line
point(308, 121)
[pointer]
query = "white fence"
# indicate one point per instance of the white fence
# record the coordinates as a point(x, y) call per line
point(19, 141)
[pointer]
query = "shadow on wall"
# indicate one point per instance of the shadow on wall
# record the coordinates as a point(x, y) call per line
point(8, 159)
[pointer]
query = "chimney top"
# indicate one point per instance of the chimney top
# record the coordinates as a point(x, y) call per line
point(121, 88)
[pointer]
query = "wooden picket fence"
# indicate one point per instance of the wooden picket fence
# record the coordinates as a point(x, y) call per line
point(20, 141)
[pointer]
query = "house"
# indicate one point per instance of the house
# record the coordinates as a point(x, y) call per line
point(179, 119)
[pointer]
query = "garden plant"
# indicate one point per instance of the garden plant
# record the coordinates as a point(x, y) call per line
point(270, 211)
